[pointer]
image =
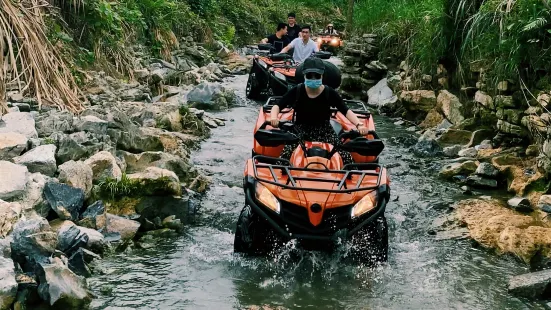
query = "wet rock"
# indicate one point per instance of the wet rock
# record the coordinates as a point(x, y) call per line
point(171, 222)
point(481, 182)
point(40, 159)
point(450, 106)
point(33, 199)
point(77, 145)
point(418, 100)
point(19, 122)
point(454, 136)
point(380, 96)
point(9, 215)
point(8, 284)
point(484, 99)
point(96, 241)
point(33, 240)
point(137, 139)
point(69, 237)
point(452, 151)
point(162, 233)
point(65, 200)
point(454, 169)
point(77, 174)
point(140, 162)
point(511, 129)
point(61, 288)
point(520, 204)
point(427, 148)
point(468, 152)
point(78, 265)
point(432, 120)
point(12, 144)
point(54, 121)
point(114, 224)
point(479, 136)
point(104, 166)
point(157, 181)
point(92, 124)
point(443, 126)
point(544, 203)
point(534, 285)
point(153, 207)
point(487, 170)
point(211, 96)
point(15, 186)
point(88, 217)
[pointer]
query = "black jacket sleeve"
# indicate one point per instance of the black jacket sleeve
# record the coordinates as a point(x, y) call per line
point(336, 101)
point(288, 100)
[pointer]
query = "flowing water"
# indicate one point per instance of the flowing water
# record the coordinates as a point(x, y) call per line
point(199, 270)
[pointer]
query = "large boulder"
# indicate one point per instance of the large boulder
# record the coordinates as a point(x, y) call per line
point(40, 159)
point(90, 123)
point(15, 184)
point(69, 237)
point(65, 200)
point(33, 241)
point(61, 288)
point(433, 119)
point(381, 96)
point(534, 285)
point(77, 145)
point(464, 168)
point(88, 217)
point(114, 224)
point(12, 144)
point(450, 106)
point(33, 199)
point(104, 166)
point(455, 136)
point(9, 215)
point(54, 121)
point(418, 100)
point(8, 284)
point(77, 174)
point(140, 162)
point(157, 181)
point(484, 99)
point(211, 96)
point(137, 139)
point(19, 122)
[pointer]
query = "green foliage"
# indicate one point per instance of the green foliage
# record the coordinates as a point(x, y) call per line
point(115, 190)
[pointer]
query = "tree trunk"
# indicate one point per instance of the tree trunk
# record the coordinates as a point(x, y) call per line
point(350, 17)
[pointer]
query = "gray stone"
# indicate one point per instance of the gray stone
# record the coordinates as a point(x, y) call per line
point(481, 182)
point(33, 199)
point(450, 106)
point(380, 95)
point(140, 162)
point(12, 144)
point(65, 200)
point(78, 264)
point(427, 148)
point(104, 166)
point(54, 121)
point(40, 159)
point(544, 203)
point(77, 174)
point(150, 177)
point(479, 136)
point(91, 123)
point(512, 129)
point(96, 241)
point(33, 241)
point(8, 284)
point(61, 288)
point(126, 228)
point(531, 285)
point(468, 152)
point(69, 237)
point(211, 96)
point(520, 204)
point(13, 182)
point(452, 151)
point(9, 215)
point(464, 168)
point(19, 122)
point(487, 170)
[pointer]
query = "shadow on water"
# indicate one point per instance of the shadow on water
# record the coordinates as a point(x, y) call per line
point(199, 270)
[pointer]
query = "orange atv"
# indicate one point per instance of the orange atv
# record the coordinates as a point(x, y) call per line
point(329, 42)
point(313, 197)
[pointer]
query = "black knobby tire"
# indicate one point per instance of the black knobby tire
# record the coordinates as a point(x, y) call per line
point(253, 234)
point(252, 90)
point(370, 244)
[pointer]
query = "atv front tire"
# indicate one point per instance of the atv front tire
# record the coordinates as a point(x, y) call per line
point(253, 234)
point(252, 90)
point(370, 244)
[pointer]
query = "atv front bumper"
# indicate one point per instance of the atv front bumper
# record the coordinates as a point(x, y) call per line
point(288, 228)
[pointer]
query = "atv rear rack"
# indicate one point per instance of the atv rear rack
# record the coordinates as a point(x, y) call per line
point(273, 163)
point(267, 107)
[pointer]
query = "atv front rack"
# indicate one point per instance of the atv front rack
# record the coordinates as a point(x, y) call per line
point(267, 107)
point(271, 164)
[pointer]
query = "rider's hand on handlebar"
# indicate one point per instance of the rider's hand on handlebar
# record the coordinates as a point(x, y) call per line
point(363, 130)
point(274, 123)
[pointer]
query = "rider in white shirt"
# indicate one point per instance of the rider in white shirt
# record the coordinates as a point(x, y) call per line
point(303, 47)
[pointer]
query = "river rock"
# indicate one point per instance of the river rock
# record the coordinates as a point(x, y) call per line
point(40, 159)
point(450, 106)
point(77, 145)
point(211, 96)
point(96, 241)
point(12, 144)
point(77, 174)
point(140, 162)
point(455, 136)
point(14, 186)
point(171, 222)
point(90, 123)
point(432, 120)
point(54, 121)
point(69, 237)
point(512, 129)
point(484, 99)
point(544, 203)
point(104, 166)
point(78, 264)
point(33, 240)
point(19, 122)
point(158, 181)
point(114, 224)
point(451, 170)
point(158, 207)
point(88, 217)
point(137, 139)
point(418, 100)
point(380, 96)
point(468, 152)
point(9, 215)
point(534, 285)
point(427, 148)
point(65, 200)
point(33, 199)
point(520, 204)
point(487, 170)
point(452, 151)
point(8, 284)
point(504, 102)
point(481, 182)
point(61, 288)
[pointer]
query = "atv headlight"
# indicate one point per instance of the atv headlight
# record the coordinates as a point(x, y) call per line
point(334, 41)
point(319, 40)
point(262, 63)
point(280, 75)
point(363, 206)
point(266, 198)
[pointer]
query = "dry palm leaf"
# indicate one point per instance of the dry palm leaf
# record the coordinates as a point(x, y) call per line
point(29, 56)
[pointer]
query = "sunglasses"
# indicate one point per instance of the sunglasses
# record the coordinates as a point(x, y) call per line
point(313, 76)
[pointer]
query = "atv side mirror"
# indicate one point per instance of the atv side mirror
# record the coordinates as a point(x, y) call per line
point(273, 138)
point(323, 55)
point(364, 146)
point(264, 46)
